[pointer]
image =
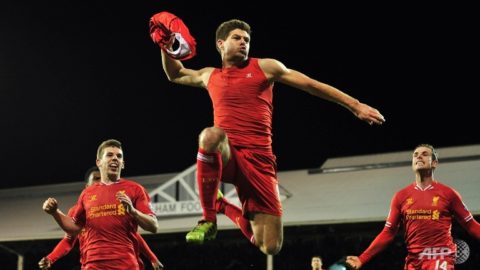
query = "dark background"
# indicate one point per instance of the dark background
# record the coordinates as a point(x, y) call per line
point(75, 73)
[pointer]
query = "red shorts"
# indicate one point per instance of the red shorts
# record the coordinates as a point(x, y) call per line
point(254, 174)
point(120, 264)
point(438, 263)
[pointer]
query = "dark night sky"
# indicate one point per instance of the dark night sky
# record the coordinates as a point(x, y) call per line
point(75, 73)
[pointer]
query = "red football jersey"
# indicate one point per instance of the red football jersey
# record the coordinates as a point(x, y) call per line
point(110, 230)
point(242, 101)
point(427, 216)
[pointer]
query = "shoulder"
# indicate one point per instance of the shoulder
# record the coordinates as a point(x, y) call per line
point(206, 70)
point(404, 192)
point(131, 184)
point(205, 74)
point(447, 190)
point(272, 67)
point(87, 190)
point(270, 64)
point(71, 210)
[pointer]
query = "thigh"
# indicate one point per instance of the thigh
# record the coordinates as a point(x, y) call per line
point(267, 227)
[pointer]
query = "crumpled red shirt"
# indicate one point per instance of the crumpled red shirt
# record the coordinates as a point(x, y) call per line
point(163, 27)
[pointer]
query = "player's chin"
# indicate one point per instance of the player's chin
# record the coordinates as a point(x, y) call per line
point(113, 174)
point(242, 54)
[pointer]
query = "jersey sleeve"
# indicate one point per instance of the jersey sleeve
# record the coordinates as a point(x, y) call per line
point(142, 201)
point(145, 249)
point(463, 215)
point(386, 236)
point(62, 248)
point(78, 211)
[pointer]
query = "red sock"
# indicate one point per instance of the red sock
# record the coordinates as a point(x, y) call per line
point(234, 213)
point(209, 172)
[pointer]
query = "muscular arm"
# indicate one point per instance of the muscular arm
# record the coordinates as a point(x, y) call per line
point(276, 71)
point(50, 206)
point(177, 73)
point(145, 221)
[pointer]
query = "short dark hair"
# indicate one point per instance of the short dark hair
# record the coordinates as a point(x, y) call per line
point(434, 153)
point(90, 171)
point(108, 143)
point(224, 29)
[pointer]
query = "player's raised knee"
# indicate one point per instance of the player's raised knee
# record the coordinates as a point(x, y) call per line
point(210, 138)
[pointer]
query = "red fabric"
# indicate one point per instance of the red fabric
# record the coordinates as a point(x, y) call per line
point(145, 249)
point(433, 263)
point(209, 172)
point(380, 243)
point(426, 215)
point(473, 228)
point(66, 244)
point(463, 216)
point(242, 102)
point(110, 230)
point(234, 213)
point(62, 248)
point(253, 172)
point(163, 26)
point(125, 263)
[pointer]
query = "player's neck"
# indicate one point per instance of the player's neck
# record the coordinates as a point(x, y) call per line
point(109, 181)
point(424, 180)
point(234, 62)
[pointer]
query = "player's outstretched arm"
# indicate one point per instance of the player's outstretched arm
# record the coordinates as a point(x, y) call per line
point(276, 71)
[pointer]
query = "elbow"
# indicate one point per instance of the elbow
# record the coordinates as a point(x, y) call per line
point(73, 231)
point(153, 228)
point(170, 78)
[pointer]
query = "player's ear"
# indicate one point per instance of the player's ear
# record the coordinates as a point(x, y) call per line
point(435, 164)
point(220, 44)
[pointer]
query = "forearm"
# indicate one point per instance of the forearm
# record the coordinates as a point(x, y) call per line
point(66, 223)
point(473, 228)
point(380, 243)
point(332, 94)
point(145, 249)
point(146, 222)
point(62, 248)
point(171, 66)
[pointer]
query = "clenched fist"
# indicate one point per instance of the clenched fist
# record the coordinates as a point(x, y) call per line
point(50, 206)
